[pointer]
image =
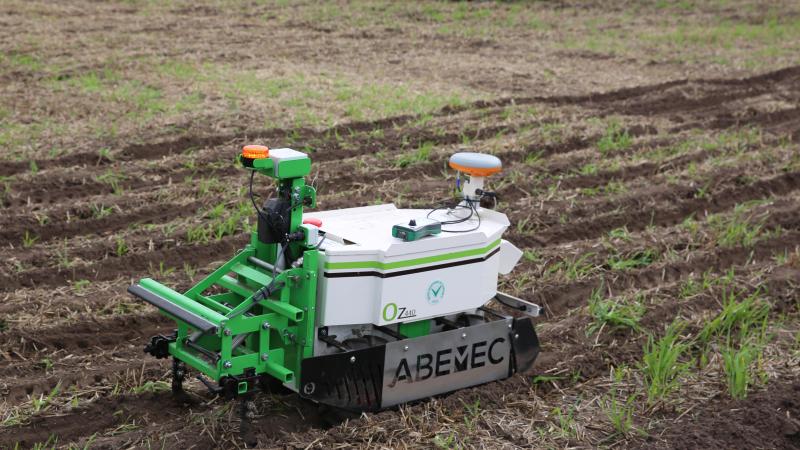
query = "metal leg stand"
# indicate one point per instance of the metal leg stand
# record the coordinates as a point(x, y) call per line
point(247, 412)
point(178, 374)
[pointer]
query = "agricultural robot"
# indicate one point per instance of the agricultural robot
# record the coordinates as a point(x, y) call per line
point(359, 309)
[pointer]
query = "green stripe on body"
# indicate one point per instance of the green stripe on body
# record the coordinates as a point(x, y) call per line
point(411, 262)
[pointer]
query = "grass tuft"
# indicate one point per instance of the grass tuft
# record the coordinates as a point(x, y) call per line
point(661, 363)
point(615, 139)
point(613, 314)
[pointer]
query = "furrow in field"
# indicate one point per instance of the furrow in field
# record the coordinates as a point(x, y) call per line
point(559, 298)
point(196, 255)
point(679, 210)
point(82, 338)
point(147, 214)
point(98, 416)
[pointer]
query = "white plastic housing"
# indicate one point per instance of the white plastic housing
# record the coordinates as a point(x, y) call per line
point(368, 276)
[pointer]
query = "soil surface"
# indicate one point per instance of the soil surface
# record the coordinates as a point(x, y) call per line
point(651, 165)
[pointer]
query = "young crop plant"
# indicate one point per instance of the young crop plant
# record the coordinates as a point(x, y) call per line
point(739, 229)
point(661, 365)
point(739, 319)
point(100, 211)
point(620, 412)
point(615, 139)
point(113, 180)
point(472, 412)
point(632, 261)
point(534, 158)
point(574, 269)
point(162, 270)
point(80, 285)
point(620, 233)
point(531, 255)
point(736, 363)
point(612, 313)
point(588, 169)
point(28, 239)
point(122, 247)
point(418, 156)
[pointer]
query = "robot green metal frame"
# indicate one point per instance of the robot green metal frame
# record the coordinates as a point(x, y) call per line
point(260, 322)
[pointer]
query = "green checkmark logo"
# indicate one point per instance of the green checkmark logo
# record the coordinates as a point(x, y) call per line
point(435, 292)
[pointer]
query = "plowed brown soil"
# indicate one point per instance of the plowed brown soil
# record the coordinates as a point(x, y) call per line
point(647, 162)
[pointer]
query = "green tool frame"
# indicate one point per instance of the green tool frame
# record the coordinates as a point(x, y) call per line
point(240, 320)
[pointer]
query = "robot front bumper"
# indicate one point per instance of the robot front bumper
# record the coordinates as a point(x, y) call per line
point(401, 371)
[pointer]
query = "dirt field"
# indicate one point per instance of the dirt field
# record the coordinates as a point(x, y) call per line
point(651, 173)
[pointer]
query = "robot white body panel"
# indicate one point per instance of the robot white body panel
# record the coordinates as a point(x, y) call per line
point(368, 276)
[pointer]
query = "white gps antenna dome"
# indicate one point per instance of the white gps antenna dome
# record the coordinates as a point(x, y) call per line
point(478, 166)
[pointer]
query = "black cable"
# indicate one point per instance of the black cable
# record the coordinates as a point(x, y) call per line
point(252, 198)
point(320, 242)
point(470, 204)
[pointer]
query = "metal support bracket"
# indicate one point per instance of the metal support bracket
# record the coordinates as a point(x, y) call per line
point(531, 309)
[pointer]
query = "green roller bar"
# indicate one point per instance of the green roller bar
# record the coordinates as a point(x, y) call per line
point(183, 301)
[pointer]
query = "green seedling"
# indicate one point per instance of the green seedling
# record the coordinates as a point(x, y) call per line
point(101, 211)
point(539, 379)
point(633, 261)
point(113, 180)
point(736, 364)
point(43, 402)
point(574, 269)
point(615, 139)
point(162, 271)
point(738, 229)
point(445, 441)
point(62, 255)
point(612, 313)
point(189, 270)
point(418, 156)
point(531, 255)
point(739, 319)
point(151, 387)
point(661, 363)
point(104, 154)
point(122, 247)
point(28, 239)
point(80, 285)
point(472, 413)
point(566, 421)
point(620, 412)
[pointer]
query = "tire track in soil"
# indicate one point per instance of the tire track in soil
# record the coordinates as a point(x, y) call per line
point(767, 418)
point(74, 187)
point(598, 225)
point(99, 415)
point(82, 338)
point(665, 103)
point(558, 298)
point(147, 214)
point(115, 345)
point(112, 268)
point(653, 193)
point(574, 350)
point(155, 150)
point(21, 389)
point(78, 188)
point(56, 188)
